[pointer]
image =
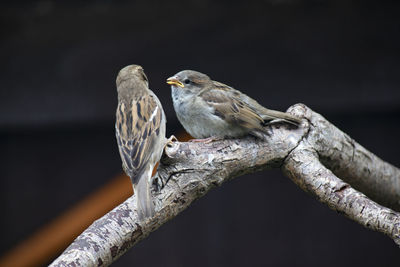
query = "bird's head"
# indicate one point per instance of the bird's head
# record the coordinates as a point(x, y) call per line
point(133, 76)
point(189, 80)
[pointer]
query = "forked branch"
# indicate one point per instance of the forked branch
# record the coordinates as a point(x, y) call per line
point(317, 156)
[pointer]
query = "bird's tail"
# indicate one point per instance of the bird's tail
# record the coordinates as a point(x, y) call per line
point(271, 115)
point(144, 202)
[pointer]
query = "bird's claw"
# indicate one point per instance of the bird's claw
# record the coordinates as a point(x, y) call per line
point(171, 140)
point(205, 140)
point(159, 183)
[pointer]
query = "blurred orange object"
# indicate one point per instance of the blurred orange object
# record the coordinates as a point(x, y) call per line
point(53, 238)
point(41, 247)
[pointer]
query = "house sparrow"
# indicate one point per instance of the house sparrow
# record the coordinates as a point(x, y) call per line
point(212, 110)
point(140, 131)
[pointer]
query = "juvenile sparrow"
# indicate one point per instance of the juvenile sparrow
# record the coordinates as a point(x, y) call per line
point(140, 131)
point(213, 110)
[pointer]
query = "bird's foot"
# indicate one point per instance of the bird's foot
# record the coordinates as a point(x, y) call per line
point(206, 140)
point(158, 183)
point(171, 140)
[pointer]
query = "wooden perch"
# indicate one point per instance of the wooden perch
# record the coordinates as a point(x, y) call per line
point(317, 156)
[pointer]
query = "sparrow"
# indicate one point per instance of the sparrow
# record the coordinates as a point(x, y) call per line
point(210, 110)
point(140, 132)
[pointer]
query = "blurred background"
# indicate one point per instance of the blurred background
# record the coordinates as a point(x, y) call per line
point(59, 164)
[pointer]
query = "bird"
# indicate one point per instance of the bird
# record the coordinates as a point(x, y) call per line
point(209, 110)
point(140, 132)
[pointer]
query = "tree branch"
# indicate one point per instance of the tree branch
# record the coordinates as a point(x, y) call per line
point(190, 170)
point(304, 168)
point(351, 162)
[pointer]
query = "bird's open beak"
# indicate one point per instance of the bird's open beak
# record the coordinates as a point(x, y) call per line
point(174, 81)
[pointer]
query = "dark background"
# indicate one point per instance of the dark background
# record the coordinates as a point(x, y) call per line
point(58, 64)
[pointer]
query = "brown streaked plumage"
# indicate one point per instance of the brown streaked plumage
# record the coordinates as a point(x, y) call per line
point(210, 109)
point(140, 132)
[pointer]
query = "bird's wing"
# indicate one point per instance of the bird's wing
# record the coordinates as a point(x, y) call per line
point(137, 126)
point(228, 106)
point(267, 115)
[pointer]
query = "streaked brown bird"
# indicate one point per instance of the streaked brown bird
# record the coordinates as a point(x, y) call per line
point(213, 110)
point(140, 131)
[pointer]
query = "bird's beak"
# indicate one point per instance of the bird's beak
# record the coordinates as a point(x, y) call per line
point(174, 81)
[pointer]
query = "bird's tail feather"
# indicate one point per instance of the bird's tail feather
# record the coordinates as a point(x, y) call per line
point(144, 202)
point(278, 115)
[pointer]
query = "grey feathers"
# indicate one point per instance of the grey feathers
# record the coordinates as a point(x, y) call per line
point(207, 108)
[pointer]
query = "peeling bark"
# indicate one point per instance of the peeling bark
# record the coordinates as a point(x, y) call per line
point(304, 168)
point(314, 156)
point(351, 162)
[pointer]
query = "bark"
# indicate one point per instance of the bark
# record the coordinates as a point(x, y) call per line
point(353, 163)
point(313, 156)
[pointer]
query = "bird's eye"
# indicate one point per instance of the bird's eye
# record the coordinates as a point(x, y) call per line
point(187, 81)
